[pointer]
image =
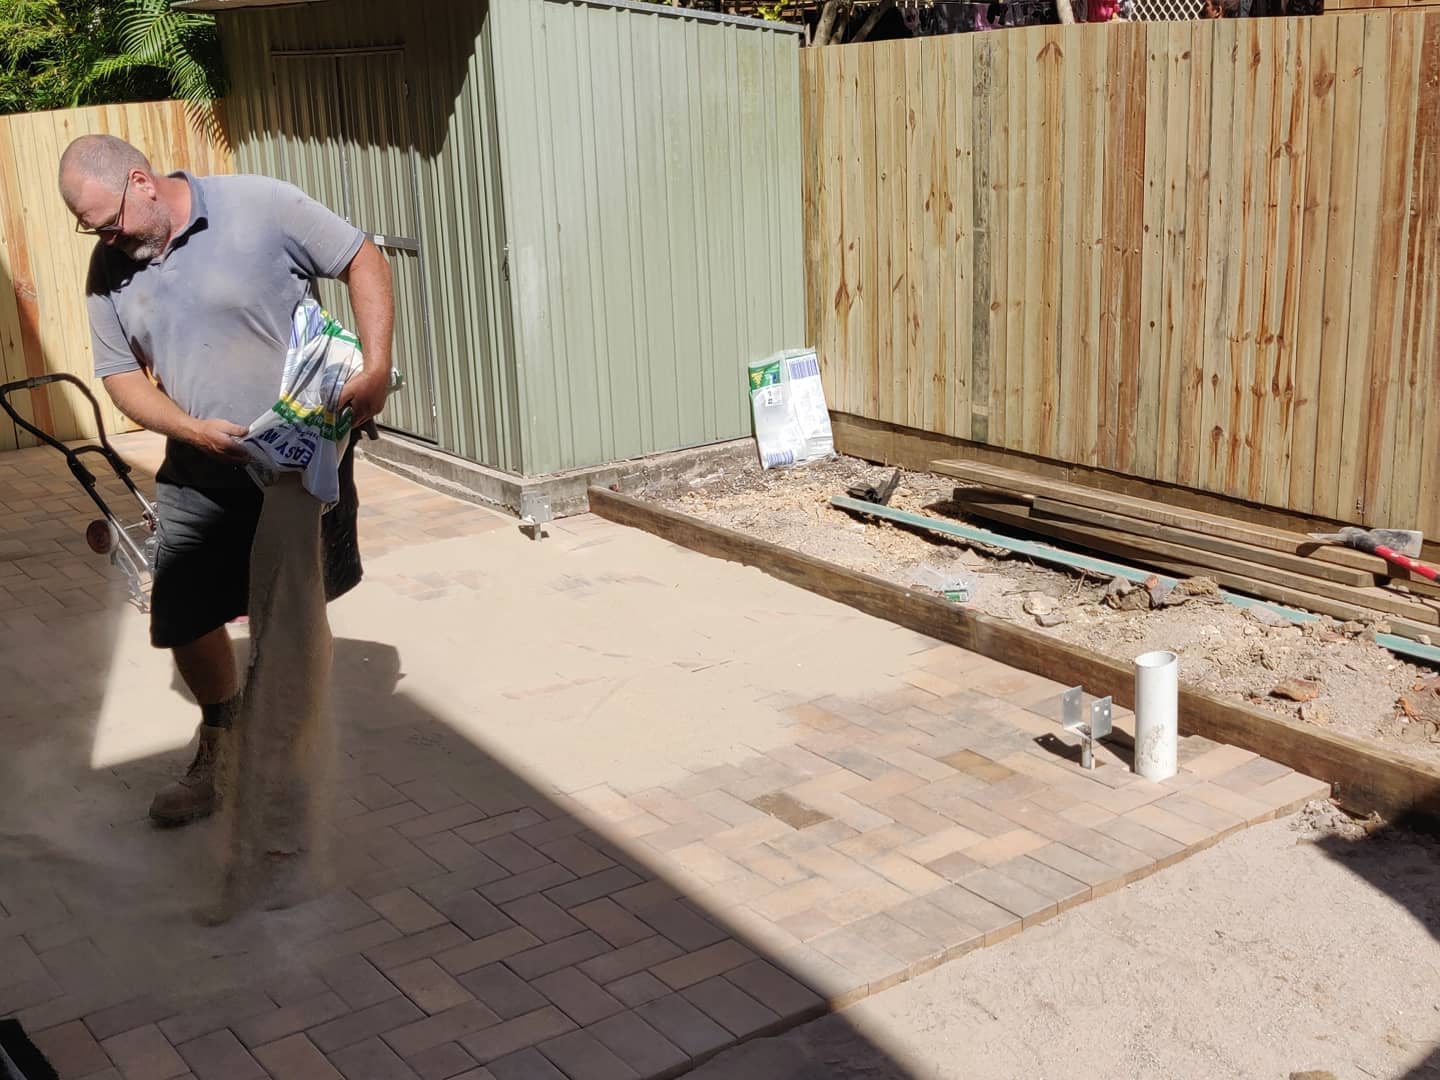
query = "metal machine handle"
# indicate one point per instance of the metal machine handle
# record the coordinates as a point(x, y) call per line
point(72, 456)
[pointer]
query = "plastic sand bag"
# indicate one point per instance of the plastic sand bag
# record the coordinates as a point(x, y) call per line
point(304, 430)
point(792, 424)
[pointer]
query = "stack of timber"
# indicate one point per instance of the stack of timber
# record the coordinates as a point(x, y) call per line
point(1288, 568)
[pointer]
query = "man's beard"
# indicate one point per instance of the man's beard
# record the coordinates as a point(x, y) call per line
point(142, 249)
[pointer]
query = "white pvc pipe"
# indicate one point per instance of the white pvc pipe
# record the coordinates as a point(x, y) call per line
point(1157, 693)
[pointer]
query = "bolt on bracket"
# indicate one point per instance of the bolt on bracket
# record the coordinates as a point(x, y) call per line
point(1100, 723)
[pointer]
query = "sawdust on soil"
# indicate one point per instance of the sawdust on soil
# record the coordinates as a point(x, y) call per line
point(1357, 686)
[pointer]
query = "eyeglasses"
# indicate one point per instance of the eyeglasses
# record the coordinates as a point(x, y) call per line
point(113, 228)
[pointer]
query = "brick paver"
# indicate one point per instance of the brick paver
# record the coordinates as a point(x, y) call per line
point(703, 883)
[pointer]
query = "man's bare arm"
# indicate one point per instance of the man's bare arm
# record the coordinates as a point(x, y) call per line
point(145, 403)
point(368, 279)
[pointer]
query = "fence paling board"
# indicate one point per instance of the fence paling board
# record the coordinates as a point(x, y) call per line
point(1034, 403)
point(1053, 59)
point(981, 201)
point(856, 209)
point(892, 203)
point(1259, 59)
point(1419, 442)
point(1335, 356)
point(1145, 433)
point(1173, 186)
point(1310, 303)
point(1388, 287)
point(810, 179)
point(1370, 177)
point(1005, 345)
point(1096, 53)
point(1198, 182)
point(1274, 380)
point(43, 324)
point(942, 225)
point(962, 199)
point(869, 292)
point(1193, 252)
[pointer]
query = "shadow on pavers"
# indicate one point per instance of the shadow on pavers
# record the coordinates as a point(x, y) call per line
point(1401, 861)
point(126, 894)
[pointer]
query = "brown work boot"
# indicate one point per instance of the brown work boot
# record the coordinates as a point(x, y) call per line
point(193, 795)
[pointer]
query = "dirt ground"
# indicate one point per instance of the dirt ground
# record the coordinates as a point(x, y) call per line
point(1357, 684)
point(1299, 949)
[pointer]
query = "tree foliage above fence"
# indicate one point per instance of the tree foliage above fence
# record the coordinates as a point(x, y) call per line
point(57, 54)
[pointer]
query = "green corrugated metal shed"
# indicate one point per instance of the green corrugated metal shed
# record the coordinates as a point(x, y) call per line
point(593, 208)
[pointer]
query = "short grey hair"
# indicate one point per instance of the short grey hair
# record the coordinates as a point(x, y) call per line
point(105, 158)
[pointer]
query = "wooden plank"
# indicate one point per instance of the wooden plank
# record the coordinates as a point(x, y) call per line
point(12, 341)
point(1135, 371)
point(1311, 594)
point(1366, 778)
point(1015, 236)
point(1153, 407)
point(1311, 265)
point(848, 220)
point(831, 345)
point(1415, 355)
point(1095, 120)
point(23, 281)
point(1161, 513)
point(864, 222)
point(1112, 232)
point(1198, 199)
point(1256, 214)
point(64, 326)
point(1365, 363)
point(1421, 437)
point(1335, 353)
point(849, 314)
point(1389, 284)
point(909, 406)
point(810, 133)
point(961, 57)
point(1033, 407)
point(1001, 179)
point(1270, 468)
point(982, 194)
point(891, 194)
point(1070, 355)
point(1051, 60)
point(940, 239)
point(920, 256)
point(1223, 269)
point(1201, 542)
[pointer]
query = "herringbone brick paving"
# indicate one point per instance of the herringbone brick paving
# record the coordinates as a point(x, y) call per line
point(481, 927)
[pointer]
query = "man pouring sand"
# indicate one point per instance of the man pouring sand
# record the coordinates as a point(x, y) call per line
point(193, 288)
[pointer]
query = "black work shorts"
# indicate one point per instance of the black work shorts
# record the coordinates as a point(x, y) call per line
point(202, 563)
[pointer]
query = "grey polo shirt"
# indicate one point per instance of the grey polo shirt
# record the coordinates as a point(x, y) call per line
point(210, 318)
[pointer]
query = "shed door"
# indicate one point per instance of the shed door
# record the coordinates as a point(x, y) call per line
point(345, 122)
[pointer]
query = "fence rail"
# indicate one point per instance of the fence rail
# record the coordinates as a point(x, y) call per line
point(43, 326)
point(1200, 253)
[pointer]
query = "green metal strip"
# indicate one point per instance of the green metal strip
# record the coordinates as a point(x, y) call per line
point(1048, 554)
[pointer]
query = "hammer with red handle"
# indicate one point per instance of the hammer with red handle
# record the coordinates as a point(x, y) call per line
point(1393, 545)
